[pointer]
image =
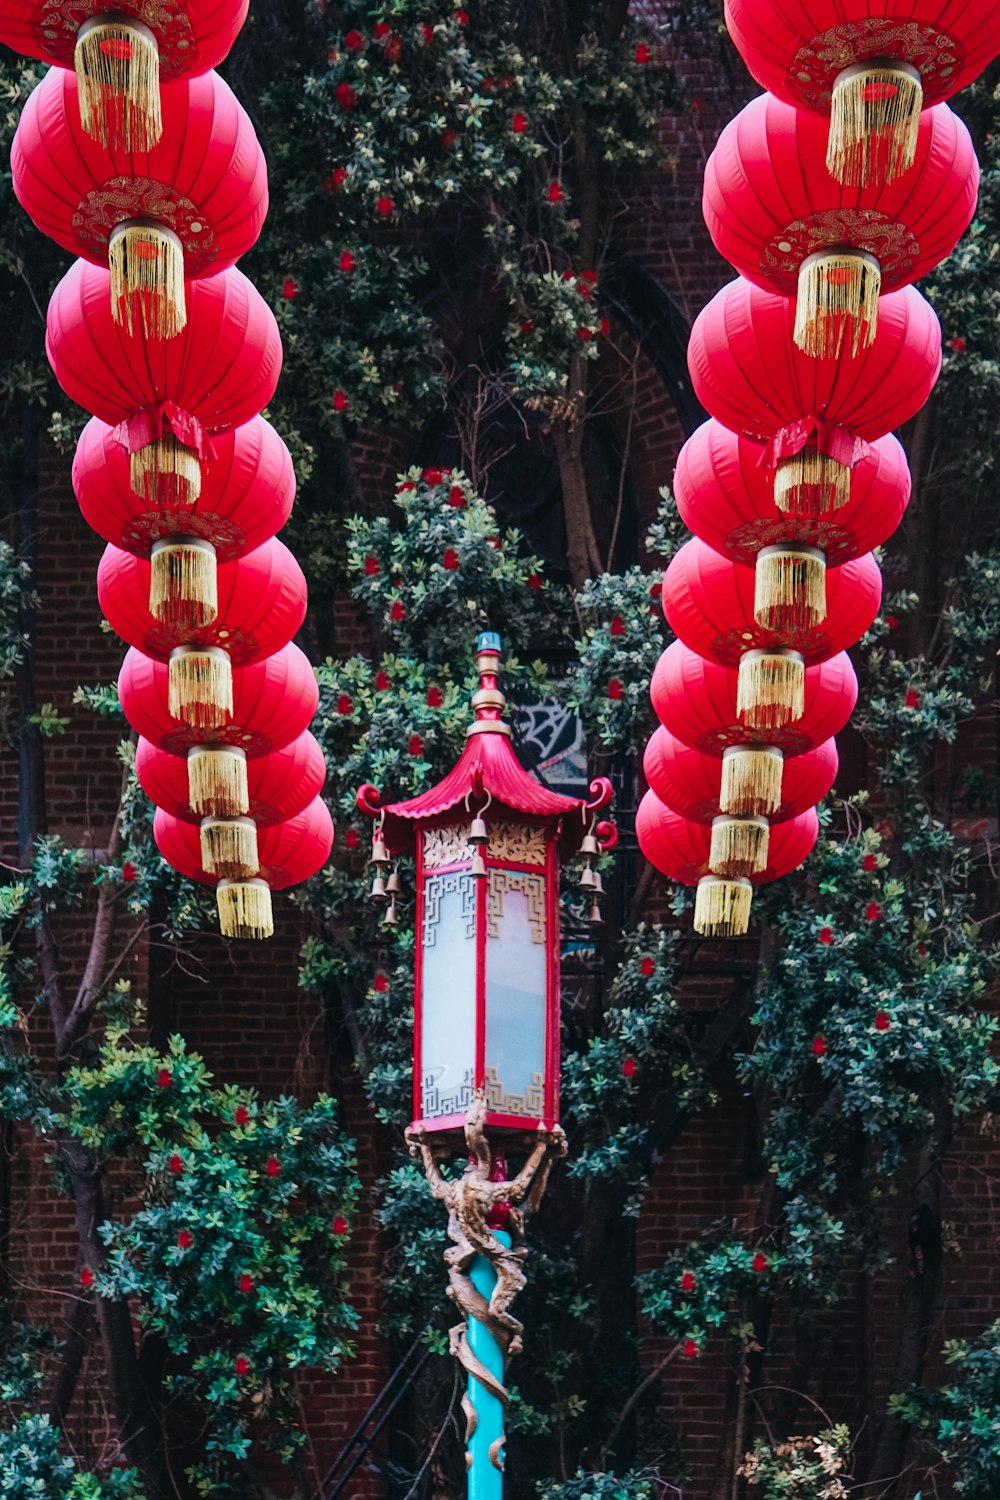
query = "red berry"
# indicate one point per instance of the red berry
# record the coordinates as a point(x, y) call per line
point(428, 33)
point(519, 123)
point(891, 622)
point(344, 704)
point(346, 97)
point(958, 345)
point(819, 1046)
point(273, 1167)
point(872, 911)
point(869, 862)
point(456, 497)
point(462, 17)
point(351, 839)
point(347, 262)
point(128, 871)
point(393, 49)
point(617, 625)
point(339, 1225)
point(450, 559)
point(397, 612)
point(567, 275)
point(185, 1240)
point(535, 581)
point(435, 697)
point(882, 1020)
point(164, 1078)
point(655, 590)
point(488, 85)
point(688, 1281)
point(371, 567)
point(615, 689)
point(382, 30)
point(642, 53)
point(449, 139)
point(245, 1282)
point(691, 1350)
point(922, 950)
point(527, 326)
point(647, 968)
point(382, 683)
point(555, 192)
point(406, 487)
point(912, 699)
point(416, 745)
point(604, 327)
point(584, 335)
point(340, 401)
point(381, 983)
point(175, 1164)
point(86, 1278)
point(432, 476)
point(760, 1262)
point(290, 290)
point(826, 936)
point(590, 276)
point(354, 41)
point(242, 1365)
point(336, 180)
point(629, 1067)
point(384, 207)
point(241, 1115)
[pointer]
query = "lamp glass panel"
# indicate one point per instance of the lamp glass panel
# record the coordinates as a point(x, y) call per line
point(516, 983)
point(448, 994)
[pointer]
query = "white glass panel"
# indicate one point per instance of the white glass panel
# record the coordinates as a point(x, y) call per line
point(448, 995)
point(516, 967)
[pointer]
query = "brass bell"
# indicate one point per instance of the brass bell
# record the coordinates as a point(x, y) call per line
point(378, 890)
point(380, 854)
point(478, 833)
point(588, 879)
point(478, 864)
point(594, 915)
point(596, 883)
point(394, 885)
point(589, 845)
point(390, 919)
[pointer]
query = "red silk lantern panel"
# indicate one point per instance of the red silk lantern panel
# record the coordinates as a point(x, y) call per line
point(797, 48)
point(689, 781)
point(697, 701)
point(247, 492)
point(777, 215)
point(274, 701)
point(221, 371)
point(281, 784)
point(289, 852)
point(725, 495)
point(191, 37)
point(709, 605)
point(262, 603)
point(206, 181)
point(679, 848)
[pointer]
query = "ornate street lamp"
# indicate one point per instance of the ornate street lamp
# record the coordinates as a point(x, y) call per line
point(488, 842)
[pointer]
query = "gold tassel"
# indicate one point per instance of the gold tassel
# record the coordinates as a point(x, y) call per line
point(790, 587)
point(245, 908)
point(166, 472)
point(200, 686)
point(217, 781)
point(739, 846)
point(811, 483)
point(722, 907)
point(751, 779)
point(229, 847)
point(118, 83)
point(770, 689)
point(837, 302)
point(874, 122)
point(183, 584)
point(146, 261)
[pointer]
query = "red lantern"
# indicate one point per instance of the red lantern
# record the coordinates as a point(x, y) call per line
point(261, 604)
point(279, 784)
point(693, 783)
point(871, 64)
point(165, 396)
point(122, 53)
point(775, 213)
point(814, 414)
point(715, 607)
point(247, 492)
point(681, 850)
point(190, 206)
point(725, 495)
point(287, 854)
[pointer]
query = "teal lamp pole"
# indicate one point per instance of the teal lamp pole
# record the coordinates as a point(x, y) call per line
point(488, 842)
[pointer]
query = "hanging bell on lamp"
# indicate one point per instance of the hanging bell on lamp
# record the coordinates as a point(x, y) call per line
point(394, 885)
point(479, 837)
point(380, 859)
point(391, 919)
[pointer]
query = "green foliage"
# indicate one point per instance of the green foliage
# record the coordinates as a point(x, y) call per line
point(628, 1486)
point(34, 1467)
point(803, 1468)
point(693, 1293)
point(962, 1417)
point(623, 637)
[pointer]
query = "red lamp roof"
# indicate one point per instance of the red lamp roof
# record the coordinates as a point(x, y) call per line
point(489, 774)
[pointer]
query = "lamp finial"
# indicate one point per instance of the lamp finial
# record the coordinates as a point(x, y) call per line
point(488, 701)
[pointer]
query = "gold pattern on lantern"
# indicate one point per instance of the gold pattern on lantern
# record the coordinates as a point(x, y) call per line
point(530, 886)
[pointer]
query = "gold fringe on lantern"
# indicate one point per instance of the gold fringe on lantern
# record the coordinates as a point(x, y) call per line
point(811, 483)
point(837, 303)
point(751, 780)
point(217, 781)
point(722, 907)
point(146, 261)
point(118, 83)
point(874, 122)
point(165, 471)
point(790, 587)
point(770, 689)
point(245, 909)
point(183, 584)
point(200, 686)
point(739, 845)
point(229, 847)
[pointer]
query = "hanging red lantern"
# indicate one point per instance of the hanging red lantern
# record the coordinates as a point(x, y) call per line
point(871, 65)
point(261, 605)
point(189, 207)
point(778, 217)
point(274, 701)
point(681, 850)
point(247, 493)
point(815, 415)
point(122, 53)
point(725, 495)
point(699, 702)
point(717, 608)
point(691, 782)
point(280, 786)
point(287, 854)
point(165, 397)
